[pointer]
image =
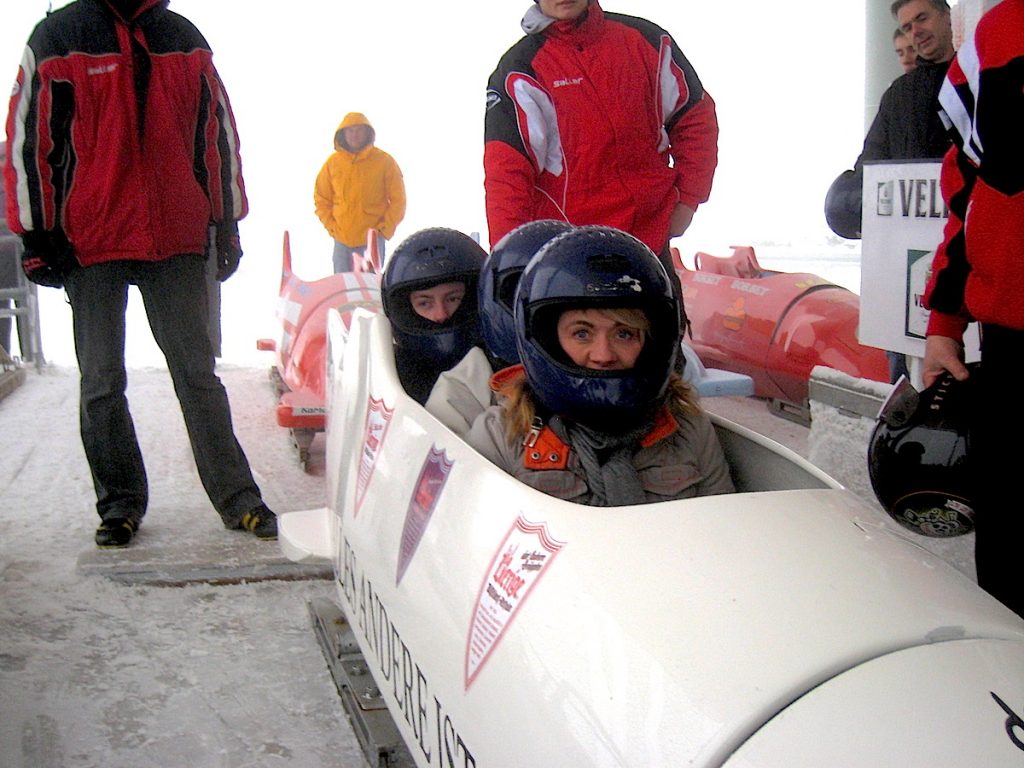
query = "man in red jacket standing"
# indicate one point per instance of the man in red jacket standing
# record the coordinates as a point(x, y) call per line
point(122, 152)
point(597, 118)
point(978, 275)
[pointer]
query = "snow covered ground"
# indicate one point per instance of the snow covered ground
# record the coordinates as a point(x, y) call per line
point(98, 673)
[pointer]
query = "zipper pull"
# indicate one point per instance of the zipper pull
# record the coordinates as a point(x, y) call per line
point(534, 434)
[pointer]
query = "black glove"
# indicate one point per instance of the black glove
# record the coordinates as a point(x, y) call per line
point(229, 250)
point(48, 257)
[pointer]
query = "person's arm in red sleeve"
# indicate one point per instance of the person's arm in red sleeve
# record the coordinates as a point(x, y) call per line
point(694, 149)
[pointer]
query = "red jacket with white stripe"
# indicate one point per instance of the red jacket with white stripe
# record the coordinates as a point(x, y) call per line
point(978, 270)
point(599, 120)
point(121, 134)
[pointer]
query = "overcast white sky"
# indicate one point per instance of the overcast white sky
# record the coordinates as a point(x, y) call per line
point(787, 79)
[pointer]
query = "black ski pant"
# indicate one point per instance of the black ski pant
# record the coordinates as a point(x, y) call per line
point(174, 294)
point(998, 423)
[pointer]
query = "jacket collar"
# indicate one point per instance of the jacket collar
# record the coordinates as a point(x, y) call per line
point(581, 30)
point(142, 7)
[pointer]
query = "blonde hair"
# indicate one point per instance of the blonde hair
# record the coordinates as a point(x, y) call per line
point(631, 317)
point(519, 408)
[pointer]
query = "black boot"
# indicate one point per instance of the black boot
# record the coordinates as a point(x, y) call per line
point(116, 532)
point(260, 522)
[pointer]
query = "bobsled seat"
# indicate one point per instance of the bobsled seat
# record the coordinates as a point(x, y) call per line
point(742, 263)
point(757, 465)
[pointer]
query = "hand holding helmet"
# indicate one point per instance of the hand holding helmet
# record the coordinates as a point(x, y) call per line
point(919, 454)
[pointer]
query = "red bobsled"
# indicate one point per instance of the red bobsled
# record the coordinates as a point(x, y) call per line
point(774, 326)
point(300, 368)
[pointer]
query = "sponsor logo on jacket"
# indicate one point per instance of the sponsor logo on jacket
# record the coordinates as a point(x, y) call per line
point(102, 69)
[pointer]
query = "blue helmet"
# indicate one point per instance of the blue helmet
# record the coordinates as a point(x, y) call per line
point(596, 267)
point(499, 279)
point(425, 259)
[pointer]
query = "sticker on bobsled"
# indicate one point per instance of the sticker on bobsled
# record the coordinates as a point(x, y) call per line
point(523, 556)
point(291, 311)
point(366, 281)
point(433, 476)
point(735, 315)
point(378, 419)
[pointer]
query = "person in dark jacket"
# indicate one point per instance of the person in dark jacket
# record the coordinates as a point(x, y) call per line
point(905, 53)
point(976, 276)
point(907, 126)
point(122, 153)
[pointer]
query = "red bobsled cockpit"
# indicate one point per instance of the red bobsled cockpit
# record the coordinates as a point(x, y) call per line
point(774, 326)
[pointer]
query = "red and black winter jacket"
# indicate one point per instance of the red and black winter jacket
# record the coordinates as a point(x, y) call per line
point(121, 134)
point(978, 270)
point(583, 120)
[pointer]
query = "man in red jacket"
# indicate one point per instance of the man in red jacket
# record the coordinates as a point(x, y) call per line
point(978, 275)
point(597, 118)
point(122, 152)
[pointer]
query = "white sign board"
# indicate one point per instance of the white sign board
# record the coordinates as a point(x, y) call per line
point(902, 223)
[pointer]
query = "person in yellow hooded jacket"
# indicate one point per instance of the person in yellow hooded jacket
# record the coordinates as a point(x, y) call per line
point(359, 188)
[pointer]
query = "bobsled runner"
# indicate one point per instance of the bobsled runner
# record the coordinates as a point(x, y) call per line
point(300, 363)
point(786, 624)
point(774, 326)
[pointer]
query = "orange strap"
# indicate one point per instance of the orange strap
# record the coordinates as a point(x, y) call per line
point(547, 451)
point(664, 425)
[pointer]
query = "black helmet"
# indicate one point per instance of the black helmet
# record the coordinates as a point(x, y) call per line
point(843, 205)
point(602, 268)
point(499, 280)
point(919, 457)
point(425, 259)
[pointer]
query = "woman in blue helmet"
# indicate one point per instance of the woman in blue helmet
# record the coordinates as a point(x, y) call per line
point(463, 392)
point(429, 295)
point(597, 413)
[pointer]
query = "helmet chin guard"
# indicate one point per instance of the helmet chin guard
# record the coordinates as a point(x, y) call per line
point(919, 457)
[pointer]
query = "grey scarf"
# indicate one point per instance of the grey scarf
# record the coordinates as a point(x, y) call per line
point(607, 461)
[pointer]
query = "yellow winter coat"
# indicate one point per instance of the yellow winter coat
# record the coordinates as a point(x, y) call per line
point(359, 191)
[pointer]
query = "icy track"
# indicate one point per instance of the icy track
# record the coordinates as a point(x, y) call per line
point(98, 673)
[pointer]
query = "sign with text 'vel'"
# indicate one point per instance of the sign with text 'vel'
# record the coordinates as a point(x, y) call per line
point(903, 220)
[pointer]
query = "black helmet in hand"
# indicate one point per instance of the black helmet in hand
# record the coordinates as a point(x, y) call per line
point(919, 457)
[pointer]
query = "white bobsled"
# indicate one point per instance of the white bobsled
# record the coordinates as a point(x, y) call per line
point(785, 625)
